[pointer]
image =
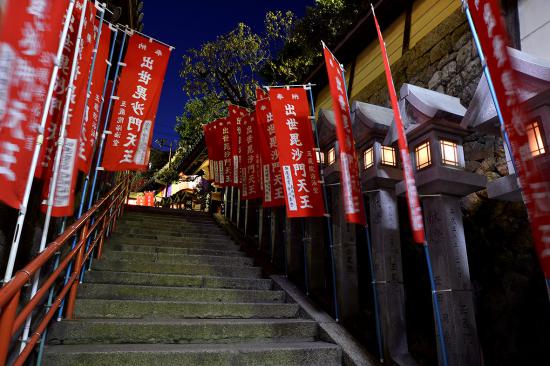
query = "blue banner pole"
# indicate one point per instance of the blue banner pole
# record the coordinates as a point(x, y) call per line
point(91, 199)
point(327, 215)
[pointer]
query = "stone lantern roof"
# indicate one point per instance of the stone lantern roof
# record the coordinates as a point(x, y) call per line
point(534, 90)
point(370, 121)
point(326, 127)
point(419, 106)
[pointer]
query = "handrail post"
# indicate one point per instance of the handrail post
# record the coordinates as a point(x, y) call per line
point(7, 318)
point(77, 268)
point(102, 237)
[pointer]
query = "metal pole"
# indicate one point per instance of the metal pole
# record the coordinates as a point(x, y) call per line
point(104, 136)
point(50, 301)
point(101, 145)
point(232, 208)
point(38, 146)
point(327, 215)
point(61, 139)
point(26, 330)
point(379, 334)
point(435, 303)
point(488, 77)
point(306, 268)
point(378, 323)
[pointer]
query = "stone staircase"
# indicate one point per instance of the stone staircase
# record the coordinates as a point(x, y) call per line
point(174, 289)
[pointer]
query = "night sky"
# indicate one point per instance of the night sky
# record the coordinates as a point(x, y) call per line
point(188, 24)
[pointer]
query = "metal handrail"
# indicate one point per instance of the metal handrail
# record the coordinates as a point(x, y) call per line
point(12, 317)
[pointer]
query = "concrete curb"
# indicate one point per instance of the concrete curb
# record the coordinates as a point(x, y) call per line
point(352, 352)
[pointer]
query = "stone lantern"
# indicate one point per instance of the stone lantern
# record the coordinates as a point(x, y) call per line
point(344, 235)
point(534, 94)
point(380, 172)
point(435, 139)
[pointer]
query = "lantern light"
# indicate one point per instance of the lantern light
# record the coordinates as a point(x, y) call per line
point(423, 155)
point(331, 156)
point(449, 153)
point(320, 157)
point(536, 143)
point(388, 156)
point(368, 157)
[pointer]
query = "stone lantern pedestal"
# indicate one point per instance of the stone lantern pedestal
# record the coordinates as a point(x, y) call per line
point(379, 175)
point(435, 142)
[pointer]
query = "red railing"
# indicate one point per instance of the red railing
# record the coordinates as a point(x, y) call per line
point(92, 227)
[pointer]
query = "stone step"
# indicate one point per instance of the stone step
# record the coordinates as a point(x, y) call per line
point(180, 226)
point(175, 236)
point(140, 257)
point(93, 308)
point(190, 269)
point(135, 292)
point(154, 279)
point(223, 245)
point(169, 250)
point(182, 331)
point(250, 354)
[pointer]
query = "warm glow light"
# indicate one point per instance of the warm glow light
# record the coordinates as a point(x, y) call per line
point(423, 155)
point(331, 156)
point(368, 157)
point(388, 156)
point(449, 153)
point(536, 143)
point(320, 157)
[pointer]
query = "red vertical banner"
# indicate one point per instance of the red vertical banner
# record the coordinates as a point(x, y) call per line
point(349, 164)
point(64, 191)
point(267, 141)
point(236, 115)
point(55, 115)
point(227, 158)
point(135, 108)
point(251, 186)
point(207, 131)
point(535, 186)
point(29, 38)
point(415, 213)
point(297, 158)
point(90, 125)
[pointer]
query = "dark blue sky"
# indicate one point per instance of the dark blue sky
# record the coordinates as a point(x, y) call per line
point(187, 24)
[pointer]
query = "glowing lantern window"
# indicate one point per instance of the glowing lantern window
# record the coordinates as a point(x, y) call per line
point(449, 153)
point(423, 155)
point(320, 157)
point(368, 157)
point(388, 156)
point(331, 156)
point(536, 143)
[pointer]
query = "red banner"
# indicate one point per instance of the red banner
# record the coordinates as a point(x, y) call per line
point(251, 165)
point(136, 105)
point(267, 141)
point(349, 165)
point(415, 212)
point(535, 186)
point(227, 158)
point(29, 39)
point(236, 115)
point(297, 159)
point(208, 138)
point(64, 192)
point(90, 126)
